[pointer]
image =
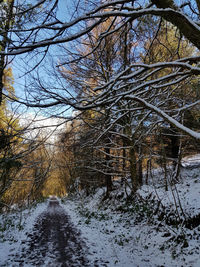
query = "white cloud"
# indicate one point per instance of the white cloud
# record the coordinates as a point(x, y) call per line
point(41, 126)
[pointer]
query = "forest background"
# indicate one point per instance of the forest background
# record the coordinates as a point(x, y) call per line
point(121, 79)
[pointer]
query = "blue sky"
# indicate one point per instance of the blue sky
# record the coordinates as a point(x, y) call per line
point(18, 64)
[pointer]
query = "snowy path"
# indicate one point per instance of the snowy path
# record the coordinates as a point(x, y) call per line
point(54, 241)
point(50, 233)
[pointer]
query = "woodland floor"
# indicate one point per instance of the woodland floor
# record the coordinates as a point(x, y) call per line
point(78, 230)
point(54, 241)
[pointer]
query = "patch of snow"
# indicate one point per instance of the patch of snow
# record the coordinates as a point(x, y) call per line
point(191, 161)
point(117, 239)
point(21, 223)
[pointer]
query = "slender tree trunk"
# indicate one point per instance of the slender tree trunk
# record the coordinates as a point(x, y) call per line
point(140, 174)
point(164, 163)
point(123, 162)
point(108, 176)
point(3, 45)
point(133, 168)
point(175, 149)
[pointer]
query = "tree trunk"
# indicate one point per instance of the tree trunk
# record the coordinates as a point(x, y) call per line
point(133, 169)
point(108, 176)
point(3, 45)
point(186, 27)
point(174, 138)
point(140, 174)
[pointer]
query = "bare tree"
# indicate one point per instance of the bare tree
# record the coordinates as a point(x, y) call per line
point(6, 17)
point(138, 75)
point(147, 92)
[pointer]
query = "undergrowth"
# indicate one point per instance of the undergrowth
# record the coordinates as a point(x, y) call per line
point(137, 210)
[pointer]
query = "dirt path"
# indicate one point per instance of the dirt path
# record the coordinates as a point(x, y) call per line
point(54, 242)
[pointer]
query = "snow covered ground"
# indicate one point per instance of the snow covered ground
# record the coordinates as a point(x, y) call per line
point(123, 241)
point(14, 228)
point(124, 234)
point(116, 234)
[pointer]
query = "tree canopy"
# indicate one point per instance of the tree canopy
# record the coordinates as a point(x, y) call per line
point(50, 28)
